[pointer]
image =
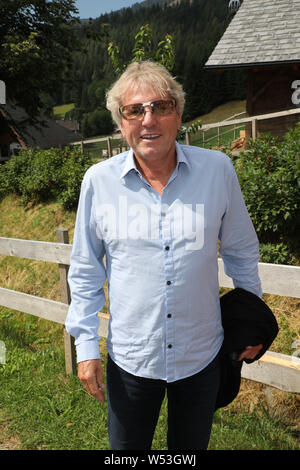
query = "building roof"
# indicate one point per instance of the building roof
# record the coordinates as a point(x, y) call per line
point(43, 133)
point(262, 32)
point(72, 125)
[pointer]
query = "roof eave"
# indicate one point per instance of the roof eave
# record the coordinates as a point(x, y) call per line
point(251, 65)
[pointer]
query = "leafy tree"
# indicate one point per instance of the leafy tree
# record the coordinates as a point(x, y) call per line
point(144, 50)
point(37, 40)
point(97, 122)
point(187, 30)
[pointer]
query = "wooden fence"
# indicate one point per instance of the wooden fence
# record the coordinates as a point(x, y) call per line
point(277, 370)
point(232, 121)
point(252, 119)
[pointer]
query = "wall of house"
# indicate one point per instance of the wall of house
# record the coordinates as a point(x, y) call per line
point(6, 140)
point(270, 90)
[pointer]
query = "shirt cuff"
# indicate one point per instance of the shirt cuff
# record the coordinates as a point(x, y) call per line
point(87, 350)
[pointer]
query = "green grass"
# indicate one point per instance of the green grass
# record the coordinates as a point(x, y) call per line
point(47, 410)
point(60, 111)
point(218, 114)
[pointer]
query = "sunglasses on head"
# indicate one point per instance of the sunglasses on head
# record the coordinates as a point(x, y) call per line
point(137, 110)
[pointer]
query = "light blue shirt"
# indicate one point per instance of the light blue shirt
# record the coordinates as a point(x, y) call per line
point(161, 262)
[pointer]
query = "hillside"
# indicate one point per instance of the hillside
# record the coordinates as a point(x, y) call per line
point(196, 27)
point(150, 3)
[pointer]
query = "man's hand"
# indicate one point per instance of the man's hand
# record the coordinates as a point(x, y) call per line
point(90, 374)
point(250, 352)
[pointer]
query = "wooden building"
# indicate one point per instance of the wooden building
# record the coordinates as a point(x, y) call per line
point(264, 39)
point(18, 132)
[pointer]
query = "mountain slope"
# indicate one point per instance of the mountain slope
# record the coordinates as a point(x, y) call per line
point(195, 26)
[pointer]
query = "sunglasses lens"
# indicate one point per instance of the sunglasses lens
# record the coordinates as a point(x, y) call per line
point(163, 107)
point(132, 111)
point(136, 111)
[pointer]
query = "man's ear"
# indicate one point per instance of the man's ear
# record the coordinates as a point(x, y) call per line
point(121, 129)
point(179, 121)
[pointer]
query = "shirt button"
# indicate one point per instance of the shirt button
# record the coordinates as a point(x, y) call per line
point(169, 315)
point(168, 283)
point(167, 248)
point(169, 346)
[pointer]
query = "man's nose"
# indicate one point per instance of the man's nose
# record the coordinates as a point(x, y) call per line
point(148, 114)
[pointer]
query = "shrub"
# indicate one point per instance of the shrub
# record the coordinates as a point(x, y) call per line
point(276, 253)
point(43, 175)
point(269, 175)
point(97, 122)
point(72, 172)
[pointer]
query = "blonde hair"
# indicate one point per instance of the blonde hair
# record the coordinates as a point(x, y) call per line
point(144, 75)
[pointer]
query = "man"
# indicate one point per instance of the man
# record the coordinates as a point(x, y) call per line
point(157, 212)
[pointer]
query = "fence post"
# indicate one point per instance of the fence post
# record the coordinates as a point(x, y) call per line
point(187, 138)
point(254, 129)
point(109, 149)
point(62, 236)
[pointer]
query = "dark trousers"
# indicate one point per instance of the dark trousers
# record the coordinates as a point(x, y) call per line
point(134, 404)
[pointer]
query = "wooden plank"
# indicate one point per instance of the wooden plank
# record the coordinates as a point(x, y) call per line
point(276, 279)
point(62, 236)
point(254, 129)
point(103, 328)
point(274, 369)
point(89, 141)
point(280, 279)
point(259, 117)
point(37, 306)
point(37, 250)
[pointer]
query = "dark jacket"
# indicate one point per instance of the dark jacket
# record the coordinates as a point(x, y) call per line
point(247, 321)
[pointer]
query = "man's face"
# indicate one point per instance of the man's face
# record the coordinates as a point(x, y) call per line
point(152, 137)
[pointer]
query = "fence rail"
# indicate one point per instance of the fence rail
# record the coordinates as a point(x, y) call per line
point(237, 123)
point(277, 370)
point(252, 119)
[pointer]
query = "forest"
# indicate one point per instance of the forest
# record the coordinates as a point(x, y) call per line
point(195, 28)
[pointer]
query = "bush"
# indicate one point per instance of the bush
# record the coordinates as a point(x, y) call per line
point(276, 253)
point(269, 175)
point(42, 175)
point(97, 122)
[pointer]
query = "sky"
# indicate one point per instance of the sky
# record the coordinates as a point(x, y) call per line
point(95, 8)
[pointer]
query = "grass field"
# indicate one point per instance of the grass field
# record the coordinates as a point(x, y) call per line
point(43, 409)
point(60, 111)
point(219, 114)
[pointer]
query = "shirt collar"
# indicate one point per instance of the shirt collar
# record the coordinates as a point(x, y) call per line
point(130, 163)
point(181, 157)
